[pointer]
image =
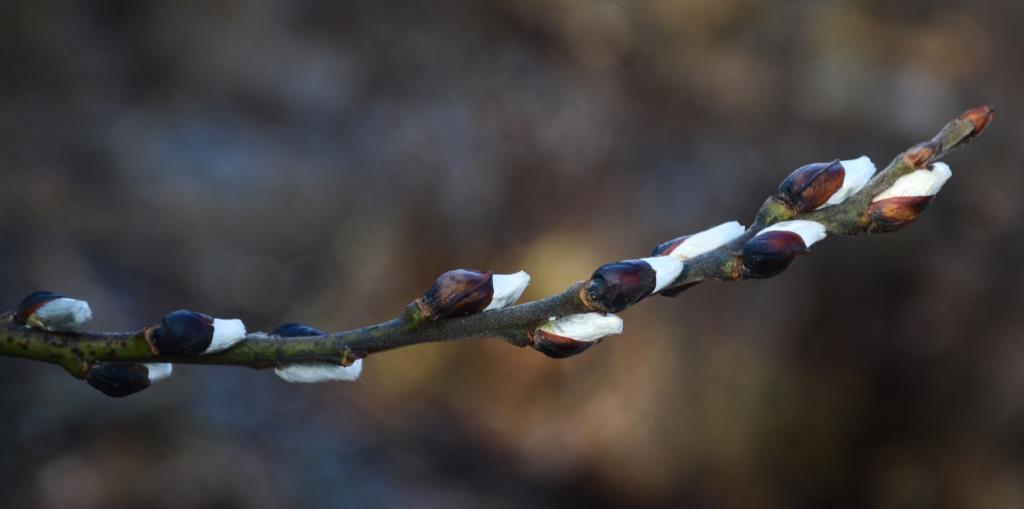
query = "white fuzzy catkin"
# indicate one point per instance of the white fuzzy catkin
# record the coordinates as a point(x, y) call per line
point(666, 270)
point(63, 314)
point(702, 242)
point(587, 327)
point(159, 371)
point(507, 289)
point(809, 231)
point(918, 183)
point(320, 372)
point(226, 333)
point(857, 173)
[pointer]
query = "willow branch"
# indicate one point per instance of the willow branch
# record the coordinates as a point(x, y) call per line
point(518, 324)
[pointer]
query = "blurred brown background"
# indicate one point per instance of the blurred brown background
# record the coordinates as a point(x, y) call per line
point(324, 161)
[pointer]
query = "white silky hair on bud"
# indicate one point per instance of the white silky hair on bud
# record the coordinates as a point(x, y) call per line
point(587, 327)
point(666, 270)
point(159, 371)
point(226, 333)
point(857, 173)
point(320, 372)
point(809, 231)
point(507, 289)
point(702, 242)
point(918, 183)
point(64, 314)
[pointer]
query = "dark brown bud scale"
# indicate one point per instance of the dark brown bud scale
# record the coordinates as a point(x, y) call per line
point(810, 186)
point(668, 246)
point(616, 286)
point(182, 332)
point(768, 254)
point(457, 293)
point(558, 347)
point(892, 214)
point(33, 302)
point(118, 380)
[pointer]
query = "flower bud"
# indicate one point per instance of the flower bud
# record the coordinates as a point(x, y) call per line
point(186, 332)
point(458, 292)
point(902, 202)
point(313, 372)
point(616, 286)
point(464, 292)
point(980, 116)
point(53, 312)
point(571, 335)
point(810, 186)
point(118, 380)
point(773, 249)
point(689, 246)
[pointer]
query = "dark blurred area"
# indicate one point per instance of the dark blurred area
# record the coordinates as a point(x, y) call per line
point(324, 161)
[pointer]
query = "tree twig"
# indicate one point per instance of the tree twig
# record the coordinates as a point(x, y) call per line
point(78, 352)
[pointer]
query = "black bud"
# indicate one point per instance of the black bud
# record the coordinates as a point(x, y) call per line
point(616, 286)
point(182, 332)
point(118, 380)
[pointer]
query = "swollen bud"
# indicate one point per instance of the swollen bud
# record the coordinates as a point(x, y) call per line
point(313, 372)
point(616, 286)
point(810, 186)
point(53, 312)
point(186, 332)
point(118, 380)
point(902, 202)
point(571, 335)
point(980, 116)
point(775, 248)
point(456, 293)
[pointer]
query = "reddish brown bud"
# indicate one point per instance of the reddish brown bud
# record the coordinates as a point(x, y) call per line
point(616, 286)
point(666, 247)
point(34, 301)
point(810, 186)
point(458, 292)
point(770, 253)
point(558, 347)
point(118, 380)
point(891, 214)
point(981, 117)
point(921, 154)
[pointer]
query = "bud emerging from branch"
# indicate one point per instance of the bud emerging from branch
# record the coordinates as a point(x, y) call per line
point(53, 312)
point(463, 292)
point(571, 335)
point(902, 202)
point(616, 286)
point(118, 380)
point(689, 246)
point(980, 116)
point(313, 372)
point(773, 249)
point(186, 332)
point(819, 185)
